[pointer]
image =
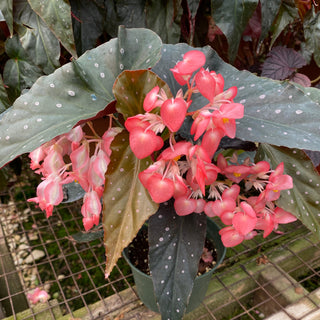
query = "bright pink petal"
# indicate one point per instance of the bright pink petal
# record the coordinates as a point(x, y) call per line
point(266, 223)
point(230, 237)
point(192, 61)
point(173, 113)
point(179, 149)
point(160, 189)
point(205, 84)
point(200, 205)
point(226, 217)
point(133, 123)
point(283, 216)
point(231, 193)
point(184, 206)
point(150, 101)
point(144, 143)
point(211, 140)
point(244, 223)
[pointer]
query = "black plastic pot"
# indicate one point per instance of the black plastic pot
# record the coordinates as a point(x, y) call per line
point(144, 284)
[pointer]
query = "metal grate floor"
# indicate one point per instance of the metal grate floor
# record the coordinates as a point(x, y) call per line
point(275, 279)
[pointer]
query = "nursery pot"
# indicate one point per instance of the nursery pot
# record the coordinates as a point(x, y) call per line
point(144, 284)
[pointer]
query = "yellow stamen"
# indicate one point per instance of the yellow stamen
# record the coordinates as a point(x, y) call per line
point(177, 158)
point(237, 174)
point(225, 120)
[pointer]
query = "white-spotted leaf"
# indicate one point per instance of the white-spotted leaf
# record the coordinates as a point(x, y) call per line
point(275, 112)
point(303, 199)
point(126, 203)
point(76, 91)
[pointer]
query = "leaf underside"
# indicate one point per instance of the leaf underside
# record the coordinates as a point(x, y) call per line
point(126, 203)
point(281, 63)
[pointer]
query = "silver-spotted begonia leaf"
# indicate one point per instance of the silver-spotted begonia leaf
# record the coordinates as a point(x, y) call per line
point(275, 112)
point(303, 199)
point(76, 91)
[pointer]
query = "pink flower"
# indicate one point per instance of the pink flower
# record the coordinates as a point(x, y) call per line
point(49, 194)
point(224, 118)
point(230, 237)
point(184, 206)
point(53, 162)
point(75, 135)
point(160, 189)
point(244, 221)
point(173, 113)
point(36, 157)
point(91, 209)
point(98, 166)
point(107, 139)
point(277, 182)
point(152, 100)
point(235, 173)
point(192, 61)
point(38, 295)
point(80, 164)
point(144, 142)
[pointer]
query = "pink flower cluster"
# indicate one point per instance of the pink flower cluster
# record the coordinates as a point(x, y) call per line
point(68, 158)
point(185, 169)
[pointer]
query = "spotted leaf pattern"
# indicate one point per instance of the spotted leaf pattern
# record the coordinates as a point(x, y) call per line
point(303, 199)
point(76, 91)
point(275, 112)
point(126, 203)
point(175, 247)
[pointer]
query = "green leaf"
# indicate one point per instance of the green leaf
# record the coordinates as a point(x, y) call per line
point(232, 18)
point(175, 247)
point(303, 199)
point(88, 23)
point(131, 87)
point(275, 112)
point(57, 16)
point(126, 203)
point(19, 72)
point(164, 17)
point(4, 100)
point(122, 12)
point(6, 7)
point(38, 41)
point(74, 92)
point(311, 27)
point(72, 192)
point(287, 14)
point(269, 10)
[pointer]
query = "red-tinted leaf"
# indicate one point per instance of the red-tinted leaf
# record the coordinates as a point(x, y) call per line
point(301, 79)
point(281, 63)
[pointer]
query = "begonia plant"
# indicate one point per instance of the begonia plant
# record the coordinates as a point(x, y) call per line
point(189, 168)
point(154, 131)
